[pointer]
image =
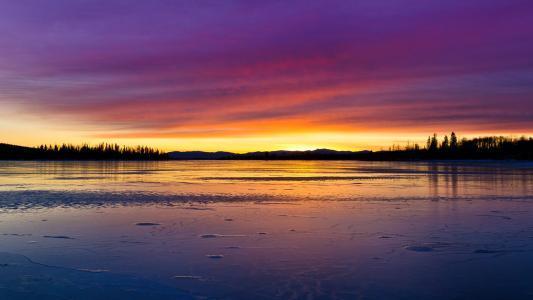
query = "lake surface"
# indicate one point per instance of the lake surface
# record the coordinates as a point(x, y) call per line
point(266, 229)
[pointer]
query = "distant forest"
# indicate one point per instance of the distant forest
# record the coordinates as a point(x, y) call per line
point(84, 152)
point(447, 148)
point(491, 147)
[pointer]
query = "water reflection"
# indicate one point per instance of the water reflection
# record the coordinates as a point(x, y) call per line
point(295, 179)
point(263, 230)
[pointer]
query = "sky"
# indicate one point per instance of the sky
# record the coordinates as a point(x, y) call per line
point(263, 75)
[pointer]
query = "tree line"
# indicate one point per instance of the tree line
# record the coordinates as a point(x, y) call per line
point(448, 147)
point(103, 151)
point(490, 147)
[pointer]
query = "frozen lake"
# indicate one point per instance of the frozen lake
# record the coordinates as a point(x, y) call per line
point(266, 229)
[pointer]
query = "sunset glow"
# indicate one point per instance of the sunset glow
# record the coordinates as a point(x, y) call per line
point(249, 75)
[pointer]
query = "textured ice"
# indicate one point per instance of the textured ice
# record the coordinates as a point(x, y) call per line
point(413, 230)
point(23, 278)
point(147, 224)
point(94, 270)
point(209, 236)
point(63, 237)
point(17, 234)
point(419, 248)
point(212, 235)
point(187, 277)
point(486, 251)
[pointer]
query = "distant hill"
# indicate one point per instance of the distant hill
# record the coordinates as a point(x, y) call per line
point(183, 155)
point(8, 151)
point(309, 154)
point(14, 148)
point(482, 148)
point(280, 154)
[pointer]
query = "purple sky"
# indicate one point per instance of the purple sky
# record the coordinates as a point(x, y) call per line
point(233, 70)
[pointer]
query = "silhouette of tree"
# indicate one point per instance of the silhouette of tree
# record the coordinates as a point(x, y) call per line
point(445, 146)
point(453, 142)
point(434, 143)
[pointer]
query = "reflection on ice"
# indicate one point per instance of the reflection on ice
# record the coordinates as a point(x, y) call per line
point(180, 230)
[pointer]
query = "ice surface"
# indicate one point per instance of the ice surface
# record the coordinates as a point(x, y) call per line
point(147, 224)
point(187, 277)
point(266, 230)
point(63, 237)
point(419, 248)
